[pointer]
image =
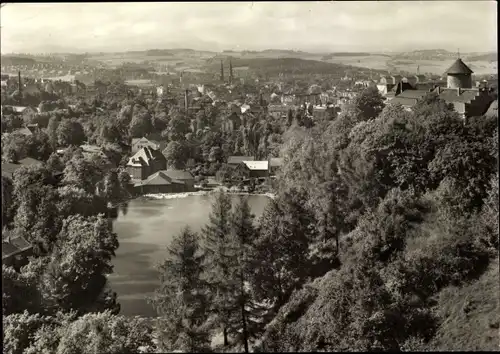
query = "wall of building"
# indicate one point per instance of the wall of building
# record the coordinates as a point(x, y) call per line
point(258, 173)
point(459, 81)
point(135, 172)
point(166, 188)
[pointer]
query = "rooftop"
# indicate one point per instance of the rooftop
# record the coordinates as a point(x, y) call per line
point(453, 95)
point(257, 165)
point(13, 246)
point(458, 68)
point(238, 159)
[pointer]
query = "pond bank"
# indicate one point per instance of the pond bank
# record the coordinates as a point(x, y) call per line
point(200, 193)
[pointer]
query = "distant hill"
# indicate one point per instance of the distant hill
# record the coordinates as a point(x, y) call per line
point(490, 57)
point(276, 66)
point(8, 60)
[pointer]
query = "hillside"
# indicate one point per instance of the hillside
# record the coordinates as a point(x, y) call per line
point(490, 57)
point(470, 315)
point(433, 61)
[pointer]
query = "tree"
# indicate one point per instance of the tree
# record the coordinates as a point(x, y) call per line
point(70, 132)
point(112, 188)
point(181, 301)
point(82, 173)
point(140, 125)
point(176, 154)
point(279, 255)
point(244, 232)
point(37, 217)
point(54, 163)
point(75, 274)
point(15, 283)
point(39, 146)
point(177, 126)
point(8, 206)
point(221, 255)
point(14, 147)
point(64, 333)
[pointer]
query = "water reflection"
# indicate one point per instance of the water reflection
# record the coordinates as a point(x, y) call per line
point(145, 228)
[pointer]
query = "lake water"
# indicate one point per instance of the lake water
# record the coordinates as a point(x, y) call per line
point(144, 231)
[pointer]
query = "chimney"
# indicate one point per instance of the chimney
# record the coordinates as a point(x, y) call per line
point(261, 101)
point(186, 100)
point(458, 91)
point(19, 85)
point(230, 72)
point(221, 71)
point(438, 90)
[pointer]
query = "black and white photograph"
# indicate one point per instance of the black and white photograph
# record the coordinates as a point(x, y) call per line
point(249, 177)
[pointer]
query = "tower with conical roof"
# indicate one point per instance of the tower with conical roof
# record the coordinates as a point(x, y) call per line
point(459, 75)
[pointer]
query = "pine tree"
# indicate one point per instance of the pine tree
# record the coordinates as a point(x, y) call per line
point(181, 300)
point(244, 233)
point(221, 251)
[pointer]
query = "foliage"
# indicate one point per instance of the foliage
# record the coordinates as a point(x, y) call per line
point(176, 154)
point(70, 132)
point(62, 333)
point(74, 275)
point(181, 301)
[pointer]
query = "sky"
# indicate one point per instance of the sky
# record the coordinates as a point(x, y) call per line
point(329, 26)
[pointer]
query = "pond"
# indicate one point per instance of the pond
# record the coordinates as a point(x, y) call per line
point(144, 231)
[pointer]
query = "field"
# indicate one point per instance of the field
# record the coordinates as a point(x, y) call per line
point(190, 60)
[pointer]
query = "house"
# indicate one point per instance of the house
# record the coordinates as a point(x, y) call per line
point(15, 252)
point(181, 175)
point(139, 143)
point(275, 164)
point(146, 162)
point(256, 169)
point(160, 182)
point(278, 111)
point(237, 160)
point(93, 151)
point(9, 168)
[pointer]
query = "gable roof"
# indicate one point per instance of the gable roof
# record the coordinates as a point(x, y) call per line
point(405, 102)
point(24, 131)
point(257, 165)
point(159, 144)
point(458, 68)
point(418, 94)
point(234, 160)
point(14, 246)
point(451, 95)
point(180, 175)
point(145, 156)
point(159, 178)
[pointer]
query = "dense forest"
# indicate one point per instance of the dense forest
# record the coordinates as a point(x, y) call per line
point(378, 216)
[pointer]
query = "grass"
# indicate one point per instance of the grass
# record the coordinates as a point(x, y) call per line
point(470, 315)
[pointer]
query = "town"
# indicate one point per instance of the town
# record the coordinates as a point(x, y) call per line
point(244, 200)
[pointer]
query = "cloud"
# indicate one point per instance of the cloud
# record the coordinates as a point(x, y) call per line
point(326, 26)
